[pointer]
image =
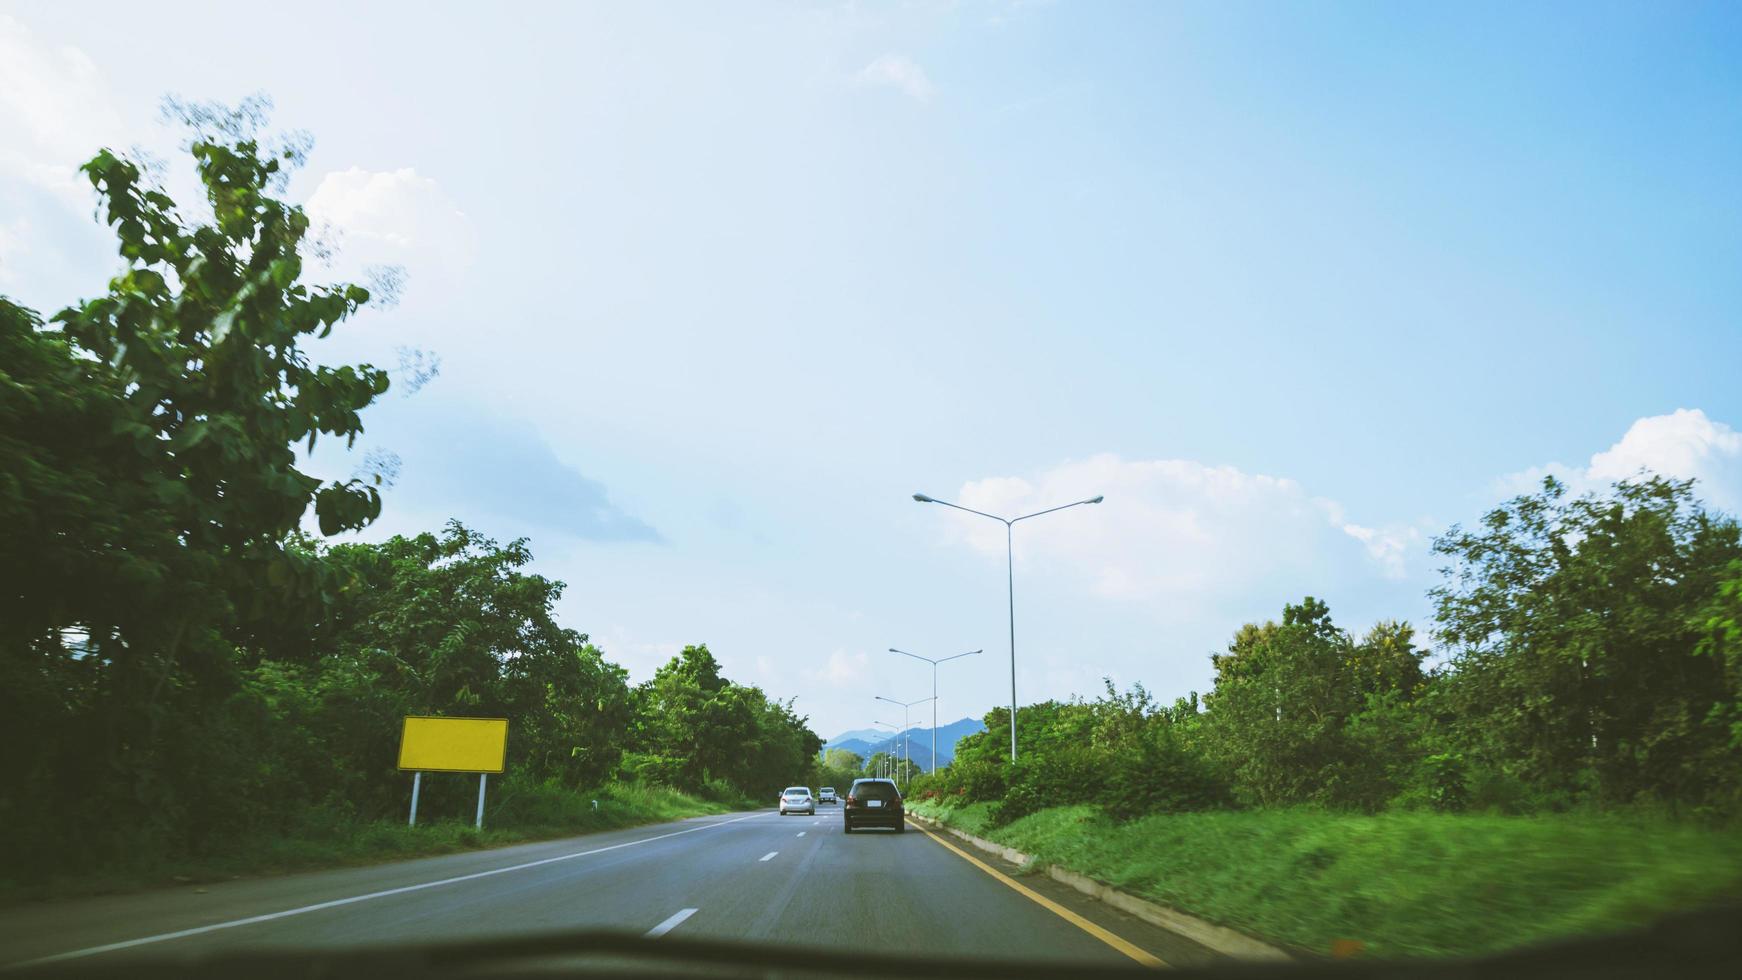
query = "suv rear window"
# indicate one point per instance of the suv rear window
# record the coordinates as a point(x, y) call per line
point(874, 791)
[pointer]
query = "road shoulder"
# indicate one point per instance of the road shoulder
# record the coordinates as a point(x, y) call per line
point(1167, 945)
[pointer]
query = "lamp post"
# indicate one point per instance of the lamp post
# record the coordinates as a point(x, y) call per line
point(1010, 581)
point(905, 755)
point(934, 694)
point(884, 724)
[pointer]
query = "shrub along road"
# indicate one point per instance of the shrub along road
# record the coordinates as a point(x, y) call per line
point(1399, 884)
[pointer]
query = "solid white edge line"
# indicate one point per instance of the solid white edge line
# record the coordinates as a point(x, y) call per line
point(670, 924)
point(335, 903)
point(768, 857)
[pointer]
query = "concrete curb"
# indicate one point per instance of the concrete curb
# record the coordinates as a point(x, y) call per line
point(1219, 938)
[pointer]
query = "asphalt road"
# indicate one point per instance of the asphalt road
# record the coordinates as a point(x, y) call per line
point(795, 881)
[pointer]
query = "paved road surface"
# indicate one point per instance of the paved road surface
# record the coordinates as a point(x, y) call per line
point(748, 876)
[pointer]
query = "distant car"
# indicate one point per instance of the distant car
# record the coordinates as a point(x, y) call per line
point(797, 799)
point(827, 795)
point(873, 803)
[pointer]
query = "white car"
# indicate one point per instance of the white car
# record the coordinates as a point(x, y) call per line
point(827, 795)
point(797, 799)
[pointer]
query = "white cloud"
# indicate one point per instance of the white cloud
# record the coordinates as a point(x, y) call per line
point(55, 112)
point(1685, 444)
point(642, 658)
point(898, 72)
point(1181, 533)
point(1388, 547)
point(841, 670)
point(395, 217)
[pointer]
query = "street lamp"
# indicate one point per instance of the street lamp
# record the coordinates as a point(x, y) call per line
point(934, 694)
point(892, 728)
point(905, 754)
point(1010, 582)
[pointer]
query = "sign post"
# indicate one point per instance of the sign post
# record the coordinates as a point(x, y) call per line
point(428, 744)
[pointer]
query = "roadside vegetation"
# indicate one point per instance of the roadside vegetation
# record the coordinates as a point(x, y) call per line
point(189, 676)
point(1399, 883)
point(1572, 763)
point(194, 681)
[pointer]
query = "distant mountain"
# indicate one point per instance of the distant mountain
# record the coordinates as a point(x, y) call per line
point(867, 743)
point(857, 746)
point(858, 734)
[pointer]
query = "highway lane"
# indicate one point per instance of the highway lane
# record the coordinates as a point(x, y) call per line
point(758, 876)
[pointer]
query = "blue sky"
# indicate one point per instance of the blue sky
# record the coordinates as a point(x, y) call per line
point(717, 287)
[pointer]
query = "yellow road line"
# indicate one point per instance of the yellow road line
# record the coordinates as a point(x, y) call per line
point(1129, 949)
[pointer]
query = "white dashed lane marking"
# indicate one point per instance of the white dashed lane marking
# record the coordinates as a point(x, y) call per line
point(769, 856)
point(670, 924)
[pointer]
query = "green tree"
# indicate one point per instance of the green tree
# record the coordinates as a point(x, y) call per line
point(1122, 751)
point(1285, 711)
point(453, 624)
point(150, 488)
point(1586, 660)
point(839, 768)
point(694, 725)
point(1153, 757)
point(1720, 629)
point(683, 716)
point(843, 760)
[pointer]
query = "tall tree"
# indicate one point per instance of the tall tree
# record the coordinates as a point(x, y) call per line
point(151, 482)
point(843, 759)
point(1576, 629)
point(697, 725)
point(1287, 695)
point(454, 624)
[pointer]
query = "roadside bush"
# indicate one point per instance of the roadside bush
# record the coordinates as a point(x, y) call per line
point(718, 791)
point(1445, 780)
point(979, 780)
point(925, 786)
point(1441, 781)
point(1159, 774)
point(647, 767)
point(1060, 777)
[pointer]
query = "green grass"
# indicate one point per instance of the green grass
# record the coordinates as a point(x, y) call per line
point(516, 814)
point(1405, 884)
point(973, 818)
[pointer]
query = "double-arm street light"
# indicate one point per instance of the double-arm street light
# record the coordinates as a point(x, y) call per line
point(905, 755)
point(934, 694)
point(1010, 582)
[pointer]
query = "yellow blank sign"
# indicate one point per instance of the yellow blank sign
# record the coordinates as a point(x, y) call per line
point(453, 744)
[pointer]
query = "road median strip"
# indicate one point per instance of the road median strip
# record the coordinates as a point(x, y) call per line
point(1208, 934)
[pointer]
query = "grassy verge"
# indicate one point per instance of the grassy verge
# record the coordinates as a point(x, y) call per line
point(517, 814)
point(1404, 884)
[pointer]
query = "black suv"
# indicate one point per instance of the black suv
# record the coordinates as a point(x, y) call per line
point(873, 803)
